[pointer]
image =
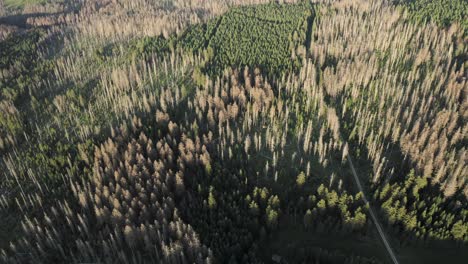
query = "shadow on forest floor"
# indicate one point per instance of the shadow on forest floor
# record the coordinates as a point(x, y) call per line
point(21, 20)
point(289, 241)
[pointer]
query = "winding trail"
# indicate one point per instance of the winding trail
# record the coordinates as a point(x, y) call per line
point(373, 216)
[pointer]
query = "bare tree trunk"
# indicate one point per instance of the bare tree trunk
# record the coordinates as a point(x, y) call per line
point(2, 8)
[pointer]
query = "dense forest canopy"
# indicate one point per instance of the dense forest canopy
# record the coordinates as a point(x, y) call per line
point(233, 131)
point(265, 36)
point(442, 12)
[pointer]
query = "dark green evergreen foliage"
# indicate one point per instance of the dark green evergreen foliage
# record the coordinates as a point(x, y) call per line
point(148, 45)
point(348, 211)
point(18, 62)
point(135, 49)
point(197, 37)
point(17, 50)
point(265, 36)
point(218, 211)
point(22, 70)
point(442, 12)
point(318, 255)
point(194, 38)
point(227, 163)
point(416, 210)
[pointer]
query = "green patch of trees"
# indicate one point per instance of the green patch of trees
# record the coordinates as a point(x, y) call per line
point(134, 49)
point(22, 70)
point(330, 211)
point(416, 210)
point(271, 37)
point(18, 57)
point(210, 163)
point(442, 12)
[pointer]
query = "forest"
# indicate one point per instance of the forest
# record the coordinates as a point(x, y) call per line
point(233, 131)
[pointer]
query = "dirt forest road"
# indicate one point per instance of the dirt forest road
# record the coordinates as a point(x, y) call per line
point(373, 215)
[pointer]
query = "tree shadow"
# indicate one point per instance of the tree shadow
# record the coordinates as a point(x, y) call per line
point(21, 20)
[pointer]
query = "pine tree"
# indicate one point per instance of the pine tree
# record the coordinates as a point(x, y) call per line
point(308, 219)
point(211, 200)
point(300, 179)
point(272, 218)
point(459, 230)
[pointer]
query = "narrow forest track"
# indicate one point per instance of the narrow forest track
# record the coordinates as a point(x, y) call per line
point(373, 215)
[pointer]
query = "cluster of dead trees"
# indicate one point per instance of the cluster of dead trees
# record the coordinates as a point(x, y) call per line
point(142, 185)
point(412, 99)
point(205, 168)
